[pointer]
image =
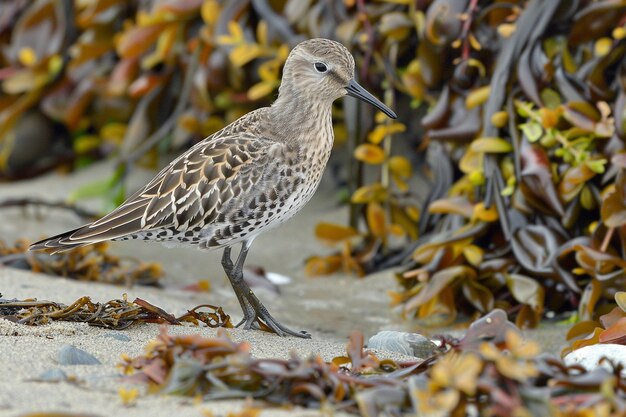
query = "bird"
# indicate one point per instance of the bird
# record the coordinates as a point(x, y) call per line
point(248, 178)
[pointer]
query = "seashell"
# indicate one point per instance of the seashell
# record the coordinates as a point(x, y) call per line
point(410, 344)
point(71, 355)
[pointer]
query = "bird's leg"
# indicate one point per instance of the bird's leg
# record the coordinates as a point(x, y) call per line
point(252, 307)
point(248, 310)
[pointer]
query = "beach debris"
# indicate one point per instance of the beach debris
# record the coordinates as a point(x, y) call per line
point(117, 336)
point(491, 370)
point(410, 344)
point(71, 355)
point(606, 355)
point(610, 328)
point(128, 396)
point(52, 375)
point(88, 263)
point(114, 314)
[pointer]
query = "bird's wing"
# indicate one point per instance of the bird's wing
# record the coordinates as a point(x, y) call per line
point(189, 193)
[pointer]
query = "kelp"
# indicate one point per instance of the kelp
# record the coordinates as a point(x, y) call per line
point(114, 314)
point(524, 141)
point(491, 370)
point(88, 263)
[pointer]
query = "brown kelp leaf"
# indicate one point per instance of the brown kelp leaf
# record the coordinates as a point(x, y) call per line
point(536, 177)
point(442, 23)
point(596, 19)
point(490, 328)
point(479, 295)
point(535, 247)
point(437, 283)
point(615, 333)
point(526, 290)
point(437, 116)
point(613, 209)
point(612, 317)
point(574, 180)
point(137, 40)
point(323, 265)
point(582, 328)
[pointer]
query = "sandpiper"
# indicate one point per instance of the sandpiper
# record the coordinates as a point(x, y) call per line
point(249, 177)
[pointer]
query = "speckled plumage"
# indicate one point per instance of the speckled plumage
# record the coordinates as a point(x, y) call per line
point(247, 178)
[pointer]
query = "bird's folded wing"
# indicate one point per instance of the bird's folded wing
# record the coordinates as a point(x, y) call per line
point(191, 192)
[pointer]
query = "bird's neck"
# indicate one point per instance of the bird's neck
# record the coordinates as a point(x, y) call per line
point(302, 119)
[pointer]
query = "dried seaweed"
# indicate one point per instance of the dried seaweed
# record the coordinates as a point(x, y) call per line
point(491, 370)
point(89, 263)
point(114, 314)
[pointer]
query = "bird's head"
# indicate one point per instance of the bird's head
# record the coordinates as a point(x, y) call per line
point(324, 69)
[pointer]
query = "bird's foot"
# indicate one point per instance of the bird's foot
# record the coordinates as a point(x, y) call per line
point(268, 323)
point(257, 317)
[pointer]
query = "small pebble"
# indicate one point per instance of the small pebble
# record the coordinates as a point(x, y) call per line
point(118, 336)
point(411, 344)
point(71, 355)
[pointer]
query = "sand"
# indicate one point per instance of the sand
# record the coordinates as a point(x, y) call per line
point(330, 308)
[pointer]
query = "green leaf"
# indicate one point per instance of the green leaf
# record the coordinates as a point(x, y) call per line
point(532, 130)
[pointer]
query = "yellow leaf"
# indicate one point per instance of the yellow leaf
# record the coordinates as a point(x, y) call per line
point(367, 193)
point(163, 47)
point(499, 119)
point(602, 46)
point(619, 33)
point(113, 132)
point(210, 12)
point(268, 71)
point(506, 29)
point(27, 56)
point(453, 205)
point(261, 32)
point(318, 265)
point(400, 166)
point(473, 254)
point(242, 54)
point(376, 220)
point(471, 161)
point(283, 52)
point(334, 232)
point(370, 154)
point(86, 143)
point(477, 97)
point(128, 396)
point(262, 89)
point(235, 37)
point(381, 131)
point(484, 214)
point(491, 145)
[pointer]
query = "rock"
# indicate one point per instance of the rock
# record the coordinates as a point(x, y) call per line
point(71, 355)
point(411, 344)
point(589, 356)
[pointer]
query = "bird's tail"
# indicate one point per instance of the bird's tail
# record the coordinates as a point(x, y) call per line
point(60, 243)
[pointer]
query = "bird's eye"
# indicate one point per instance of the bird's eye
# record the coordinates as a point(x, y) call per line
point(320, 67)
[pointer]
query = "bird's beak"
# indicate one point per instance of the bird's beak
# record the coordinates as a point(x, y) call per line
point(355, 90)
